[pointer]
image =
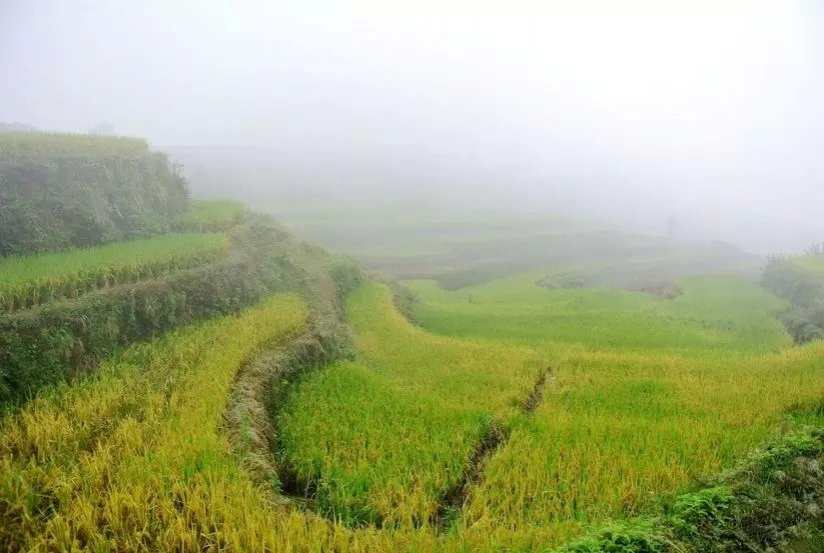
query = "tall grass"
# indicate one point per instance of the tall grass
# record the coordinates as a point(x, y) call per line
point(134, 459)
point(384, 439)
point(26, 281)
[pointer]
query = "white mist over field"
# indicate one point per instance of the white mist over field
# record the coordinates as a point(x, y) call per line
point(629, 111)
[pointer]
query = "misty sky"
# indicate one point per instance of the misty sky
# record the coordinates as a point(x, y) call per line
point(705, 105)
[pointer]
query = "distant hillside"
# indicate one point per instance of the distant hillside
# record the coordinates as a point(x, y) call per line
point(16, 127)
point(61, 190)
point(462, 248)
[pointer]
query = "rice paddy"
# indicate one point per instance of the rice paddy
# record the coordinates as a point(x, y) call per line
point(33, 144)
point(27, 281)
point(135, 459)
point(213, 215)
point(644, 396)
point(516, 417)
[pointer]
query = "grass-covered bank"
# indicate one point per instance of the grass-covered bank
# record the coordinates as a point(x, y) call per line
point(64, 338)
point(800, 281)
point(769, 501)
point(134, 459)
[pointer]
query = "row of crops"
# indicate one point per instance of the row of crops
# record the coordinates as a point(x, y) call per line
point(381, 452)
point(30, 280)
point(696, 383)
point(134, 459)
point(385, 440)
point(27, 281)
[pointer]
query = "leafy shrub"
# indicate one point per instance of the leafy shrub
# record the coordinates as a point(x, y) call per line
point(804, 289)
point(637, 536)
point(59, 191)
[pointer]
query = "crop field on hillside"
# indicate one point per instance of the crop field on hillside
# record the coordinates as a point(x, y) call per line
point(451, 437)
point(721, 314)
point(213, 215)
point(26, 281)
point(460, 248)
point(134, 459)
point(644, 396)
point(518, 414)
point(388, 436)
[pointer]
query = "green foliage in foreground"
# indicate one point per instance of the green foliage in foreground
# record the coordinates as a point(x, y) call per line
point(771, 501)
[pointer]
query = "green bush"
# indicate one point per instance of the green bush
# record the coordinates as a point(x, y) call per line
point(636, 536)
point(804, 289)
point(60, 191)
point(772, 501)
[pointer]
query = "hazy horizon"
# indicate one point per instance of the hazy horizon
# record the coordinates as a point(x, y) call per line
point(708, 110)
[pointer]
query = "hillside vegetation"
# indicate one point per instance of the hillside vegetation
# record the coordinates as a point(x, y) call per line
point(460, 248)
point(800, 280)
point(27, 281)
point(59, 191)
point(205, 381)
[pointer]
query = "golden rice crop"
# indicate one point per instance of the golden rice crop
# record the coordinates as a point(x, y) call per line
point(136, 460)
point(27, 281)
point(115, 462)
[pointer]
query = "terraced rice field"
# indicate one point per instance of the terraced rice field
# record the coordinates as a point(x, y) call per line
point(516, 419)
point(644, 395)
point(213, 215)
point(135, 458)
point(27, 281)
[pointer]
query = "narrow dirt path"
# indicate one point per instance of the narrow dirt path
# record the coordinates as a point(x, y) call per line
point(494, 436)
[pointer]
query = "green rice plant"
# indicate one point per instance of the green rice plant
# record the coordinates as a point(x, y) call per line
point(213, 215)
point(28, 281)
point(712, 313)
point(385, 439)
point(647, 394)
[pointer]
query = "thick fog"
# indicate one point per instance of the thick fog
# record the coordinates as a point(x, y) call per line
point(711, 111)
